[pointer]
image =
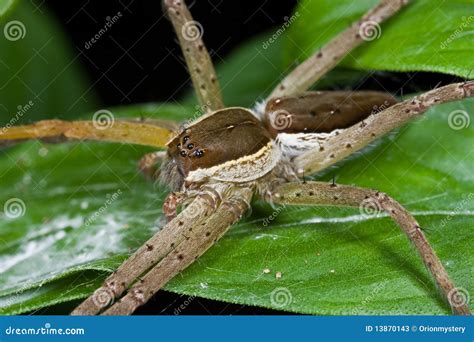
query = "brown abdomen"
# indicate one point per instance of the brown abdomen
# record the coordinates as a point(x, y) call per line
point(322, 111)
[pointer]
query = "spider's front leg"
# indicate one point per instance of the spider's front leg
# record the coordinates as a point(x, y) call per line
point(148, 164)
point(156, 248)
point(326, 194)
point(154, 133)
point(201, 69)
point(199, 238)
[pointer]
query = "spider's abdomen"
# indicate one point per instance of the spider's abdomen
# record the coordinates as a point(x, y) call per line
point(230, 145)
point(322, 111)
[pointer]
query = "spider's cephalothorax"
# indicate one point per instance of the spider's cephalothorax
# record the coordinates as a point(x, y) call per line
point(229, 145)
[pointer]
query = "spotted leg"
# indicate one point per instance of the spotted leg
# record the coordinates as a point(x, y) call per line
point(156, 248)
point(171, 203)
point(55, 131)
point(318, 193)
point(308, 72)
point(198, 241)
point(356, 137)
point(201, 69)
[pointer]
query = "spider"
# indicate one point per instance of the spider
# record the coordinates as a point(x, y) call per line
point(218, 162)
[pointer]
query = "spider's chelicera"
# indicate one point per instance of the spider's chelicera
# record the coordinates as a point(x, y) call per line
point(215, 164)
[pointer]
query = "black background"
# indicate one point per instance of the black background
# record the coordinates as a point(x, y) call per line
point(153, 70)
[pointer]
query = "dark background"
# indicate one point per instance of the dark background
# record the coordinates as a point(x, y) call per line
point(153, 69)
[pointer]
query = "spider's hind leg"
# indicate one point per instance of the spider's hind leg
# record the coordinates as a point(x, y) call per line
point(327, 194)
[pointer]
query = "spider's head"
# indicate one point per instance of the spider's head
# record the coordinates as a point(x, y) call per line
point(230, 145)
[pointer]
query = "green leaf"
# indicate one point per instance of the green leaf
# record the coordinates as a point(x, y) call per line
point(6, 6)
point(427, 35)
point(41, 76)
point(333, 260)
point(61, 291)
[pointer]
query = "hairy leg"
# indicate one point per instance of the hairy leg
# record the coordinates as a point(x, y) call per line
point(55, 131)
point(318, 193)
point(308, 72)
point(197, 242)
point(203, 75)
point(148, 164)
point(356, 137)
point(156, 248)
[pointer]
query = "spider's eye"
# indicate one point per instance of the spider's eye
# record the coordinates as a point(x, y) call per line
point(178, 146)
point(190, 146)
point(199, 153)
point(183, 153)
point(186, 138)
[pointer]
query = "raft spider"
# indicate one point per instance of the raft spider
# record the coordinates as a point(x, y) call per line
point(295, 132)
